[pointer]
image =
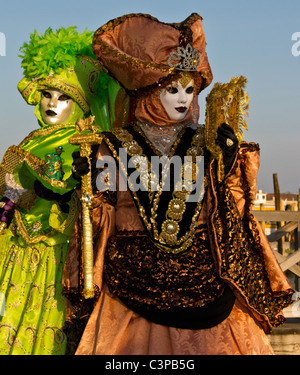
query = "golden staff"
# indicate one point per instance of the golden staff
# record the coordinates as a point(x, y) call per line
point(88, 135)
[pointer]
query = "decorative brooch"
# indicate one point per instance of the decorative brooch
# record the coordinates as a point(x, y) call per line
point(188, 58)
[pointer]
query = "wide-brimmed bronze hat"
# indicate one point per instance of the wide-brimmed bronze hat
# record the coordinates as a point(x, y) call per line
point(140, 52)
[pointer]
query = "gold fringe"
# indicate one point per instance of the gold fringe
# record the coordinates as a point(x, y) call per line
point(227, 103)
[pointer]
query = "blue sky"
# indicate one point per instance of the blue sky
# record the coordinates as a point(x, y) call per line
point(252, 38)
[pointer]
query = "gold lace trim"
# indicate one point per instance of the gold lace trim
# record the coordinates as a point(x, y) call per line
point(60, 84)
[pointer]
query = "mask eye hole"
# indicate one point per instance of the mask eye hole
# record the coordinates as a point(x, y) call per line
point(46, 94)
point(64, 97)
point(172, 90)
point(190, 90)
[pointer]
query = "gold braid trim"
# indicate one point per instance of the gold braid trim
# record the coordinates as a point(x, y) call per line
point(12, 158)
point(130, 60)
point(72, 90)
point(58, 83)
point(23, 232)
point(29, 89)
point(172, 71)
point(16, 155)
point(109, 26)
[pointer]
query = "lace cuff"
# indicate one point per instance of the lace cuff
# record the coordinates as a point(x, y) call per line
point(13, 190)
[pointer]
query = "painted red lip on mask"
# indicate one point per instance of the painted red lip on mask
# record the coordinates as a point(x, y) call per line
point(181, 109)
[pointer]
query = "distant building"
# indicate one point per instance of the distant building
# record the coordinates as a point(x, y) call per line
point(266, 201)
point(288, 200)
point(261, 199)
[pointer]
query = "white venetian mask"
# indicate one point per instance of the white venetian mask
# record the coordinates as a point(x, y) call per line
point(177, 98)
point(56, 106)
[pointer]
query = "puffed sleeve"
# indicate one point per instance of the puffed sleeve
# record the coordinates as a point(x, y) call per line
point(242, 178)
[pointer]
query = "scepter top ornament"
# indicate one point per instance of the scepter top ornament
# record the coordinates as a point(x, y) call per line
point(86, 124)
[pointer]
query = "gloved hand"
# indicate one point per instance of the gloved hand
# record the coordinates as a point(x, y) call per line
point(80, 165)
point(228, 142)
point(49, 195)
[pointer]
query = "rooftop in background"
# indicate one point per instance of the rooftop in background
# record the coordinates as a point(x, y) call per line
point(288, 201)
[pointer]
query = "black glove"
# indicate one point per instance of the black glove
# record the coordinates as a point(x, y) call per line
point(49, 195)
point(80, 165)
point(228, 142)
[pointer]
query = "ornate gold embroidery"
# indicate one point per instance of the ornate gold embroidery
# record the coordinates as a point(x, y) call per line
point(66, 87)
point(132, 148)
point(29, 89)
point(176, 209)
point(168, 234)
point(122, 135)
point(177, 206)
point(123, 57)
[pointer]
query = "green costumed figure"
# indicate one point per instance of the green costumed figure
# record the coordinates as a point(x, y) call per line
point(39, 204)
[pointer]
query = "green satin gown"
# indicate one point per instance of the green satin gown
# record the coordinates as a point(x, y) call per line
point(33, 252)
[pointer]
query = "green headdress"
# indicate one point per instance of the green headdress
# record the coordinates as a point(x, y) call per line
point(64, 60)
